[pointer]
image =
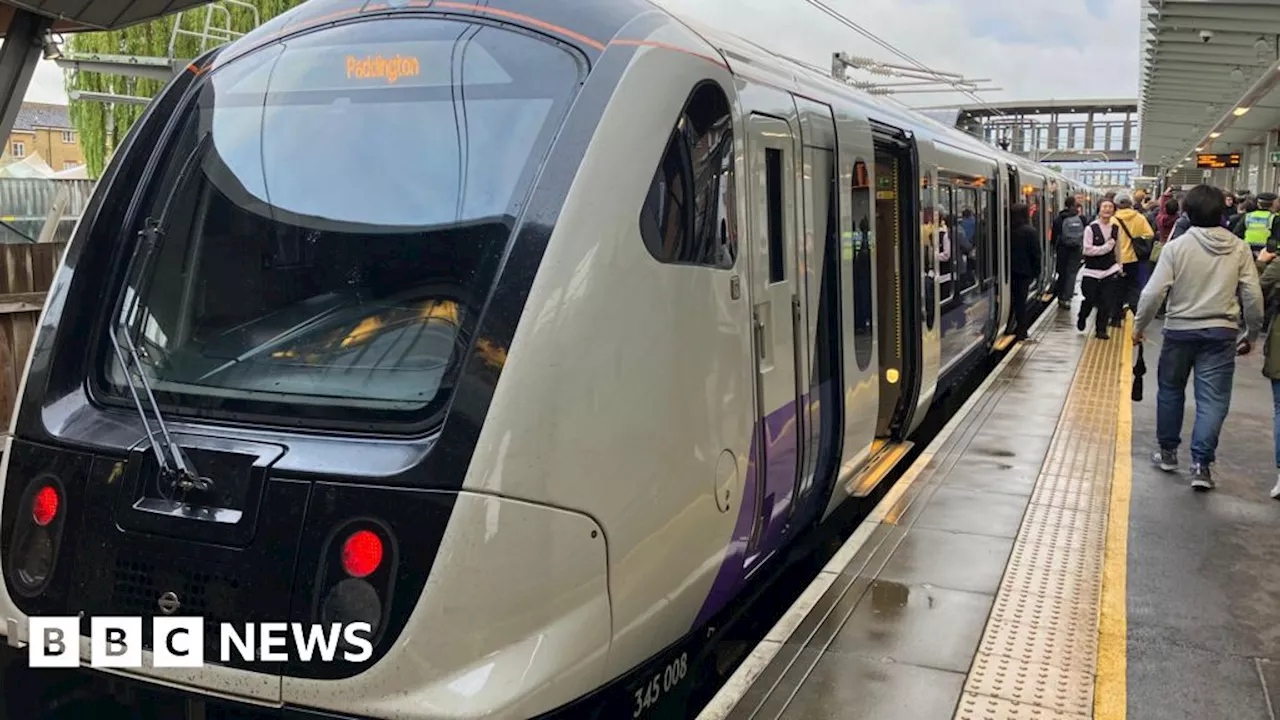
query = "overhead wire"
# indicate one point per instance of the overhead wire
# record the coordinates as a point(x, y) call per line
point(844, 20)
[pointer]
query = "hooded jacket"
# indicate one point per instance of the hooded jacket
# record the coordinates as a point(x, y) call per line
point(1137, 226)
point(1202, 272)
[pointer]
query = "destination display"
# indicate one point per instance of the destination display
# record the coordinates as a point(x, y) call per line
point(1218, 161)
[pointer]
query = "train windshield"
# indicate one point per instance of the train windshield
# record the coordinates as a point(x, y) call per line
point(329, 216)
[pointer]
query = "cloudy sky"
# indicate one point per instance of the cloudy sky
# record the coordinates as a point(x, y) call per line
point(1034, 49)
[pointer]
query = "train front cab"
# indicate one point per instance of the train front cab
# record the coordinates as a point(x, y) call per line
point(308, 320)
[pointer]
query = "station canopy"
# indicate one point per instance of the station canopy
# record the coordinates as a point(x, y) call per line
point(1209, 78)
point(83, 15)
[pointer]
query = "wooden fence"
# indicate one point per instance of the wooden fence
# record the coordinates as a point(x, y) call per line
point(27, 273)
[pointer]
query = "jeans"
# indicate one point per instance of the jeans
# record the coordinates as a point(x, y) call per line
point(1275, 398)
point(1215, 366)
point(1068, 266)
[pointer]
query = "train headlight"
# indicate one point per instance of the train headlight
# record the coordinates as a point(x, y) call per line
point(352, 601)
point(356, 576)
point(33, 551)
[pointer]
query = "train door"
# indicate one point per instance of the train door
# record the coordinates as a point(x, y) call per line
point(1012, 194)
point(898, 297)
point(820, 262)
point(776, 287)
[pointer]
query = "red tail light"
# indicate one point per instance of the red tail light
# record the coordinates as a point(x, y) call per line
point(362, 553)
point(44, 508)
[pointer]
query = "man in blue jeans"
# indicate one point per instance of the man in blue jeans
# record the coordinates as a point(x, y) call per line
point(1207, 273)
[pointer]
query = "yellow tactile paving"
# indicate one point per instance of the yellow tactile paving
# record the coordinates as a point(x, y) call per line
point(1039, 653)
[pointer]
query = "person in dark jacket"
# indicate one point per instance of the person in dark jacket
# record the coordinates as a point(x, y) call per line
point(1024, 265)
point(1068, 239)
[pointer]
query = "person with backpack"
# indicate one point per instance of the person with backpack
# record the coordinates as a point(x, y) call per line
point(1210, 279)
point(1100, 284)
point(1068, 240)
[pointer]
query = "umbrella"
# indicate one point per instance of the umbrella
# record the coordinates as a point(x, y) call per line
point(1139, 369)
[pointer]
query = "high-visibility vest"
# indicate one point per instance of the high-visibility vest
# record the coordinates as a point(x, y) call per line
point(1257, 228)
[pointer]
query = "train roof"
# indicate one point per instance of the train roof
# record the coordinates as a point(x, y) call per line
point(734, 48)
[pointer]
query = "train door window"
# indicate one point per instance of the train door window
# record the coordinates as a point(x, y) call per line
point(857, 247)
point(928, 226)
point(967, 253)
point(985, 212)
point(687, 217)
point(773, 196)
point(945, 252)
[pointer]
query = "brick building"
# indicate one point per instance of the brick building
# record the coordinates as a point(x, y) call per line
point(45, 130)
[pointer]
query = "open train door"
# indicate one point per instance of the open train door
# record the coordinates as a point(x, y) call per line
point(1008, 189)
point(898, 301)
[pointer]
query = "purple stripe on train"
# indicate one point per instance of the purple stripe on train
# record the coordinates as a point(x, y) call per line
point(780, 478)
point(969, 318)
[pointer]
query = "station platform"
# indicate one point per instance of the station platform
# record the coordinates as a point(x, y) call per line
point(1032, 563)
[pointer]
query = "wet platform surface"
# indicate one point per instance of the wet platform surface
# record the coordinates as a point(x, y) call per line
point(1036, 565)
point(897, 632)
point(1203, 605)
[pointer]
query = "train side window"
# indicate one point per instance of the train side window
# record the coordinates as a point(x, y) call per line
point(856, 246)
point(773, 197)
point(987, 224)
point(687, 217)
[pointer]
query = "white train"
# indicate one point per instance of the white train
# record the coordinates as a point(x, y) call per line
point(527, 332)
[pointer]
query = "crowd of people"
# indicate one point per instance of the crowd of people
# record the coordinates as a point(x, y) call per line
point(1203, 261)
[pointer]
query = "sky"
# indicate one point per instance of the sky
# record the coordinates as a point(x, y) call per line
point(1033, 49)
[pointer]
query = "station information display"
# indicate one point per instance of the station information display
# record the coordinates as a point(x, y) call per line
point(1218, 161)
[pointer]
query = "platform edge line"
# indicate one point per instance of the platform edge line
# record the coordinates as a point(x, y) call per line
point(735, 688)
point(1110, 694)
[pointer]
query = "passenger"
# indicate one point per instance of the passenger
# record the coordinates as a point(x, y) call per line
point(1136, 238)
point(1101, 273)
point(1270, 280)
point(1205, 275)
point(1068, 239)
point(1167, 218)
point(1261, 227)
point(1024, 264)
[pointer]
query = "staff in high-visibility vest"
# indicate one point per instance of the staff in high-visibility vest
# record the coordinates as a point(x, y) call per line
point(1261, 228)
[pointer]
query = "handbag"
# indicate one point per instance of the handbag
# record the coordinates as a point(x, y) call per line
point(1142, 246)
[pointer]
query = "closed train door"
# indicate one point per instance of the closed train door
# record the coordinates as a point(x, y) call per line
point(776, 290)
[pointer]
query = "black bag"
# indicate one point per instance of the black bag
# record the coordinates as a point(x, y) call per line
point(1142, 247)
point(1139, 369)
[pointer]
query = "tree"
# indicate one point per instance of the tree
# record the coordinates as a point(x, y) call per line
point(102, 126)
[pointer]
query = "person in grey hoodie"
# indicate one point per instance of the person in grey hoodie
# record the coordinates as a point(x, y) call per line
point(1207, 274)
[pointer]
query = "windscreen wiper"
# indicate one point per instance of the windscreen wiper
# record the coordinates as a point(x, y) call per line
point(174, 466)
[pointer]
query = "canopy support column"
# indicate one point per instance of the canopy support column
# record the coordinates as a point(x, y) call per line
point(18, 57)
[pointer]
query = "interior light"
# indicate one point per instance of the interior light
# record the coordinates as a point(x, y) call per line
point(1240, 111)
point(1215, 135)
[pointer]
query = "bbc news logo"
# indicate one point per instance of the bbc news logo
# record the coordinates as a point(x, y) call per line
point(178, 642)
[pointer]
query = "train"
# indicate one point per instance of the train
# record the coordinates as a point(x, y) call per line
point(525, 335)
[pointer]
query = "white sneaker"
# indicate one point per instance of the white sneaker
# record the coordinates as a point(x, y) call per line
point(1275, 491)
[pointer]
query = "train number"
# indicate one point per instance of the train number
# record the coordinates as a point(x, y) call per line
point(660, 684)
